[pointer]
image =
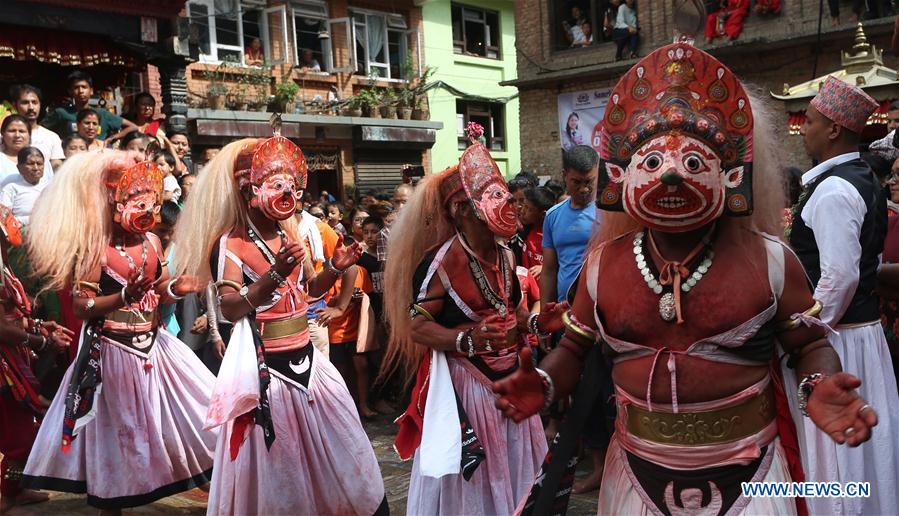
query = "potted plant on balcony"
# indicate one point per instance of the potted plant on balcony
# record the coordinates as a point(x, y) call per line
point(216, 95)
point(406, 102)
point(388, 103)
point(286, 93)
point(370, 103)
point(353, 106)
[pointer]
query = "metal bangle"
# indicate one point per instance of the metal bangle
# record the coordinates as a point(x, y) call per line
point(459, 338)
point(276, 277)
point(124, 295)
point(334, 270)
point(171, 294)
point(470, 343)
point(805, 389)
point(572, 324)
point(549, 388)
point(533, 328)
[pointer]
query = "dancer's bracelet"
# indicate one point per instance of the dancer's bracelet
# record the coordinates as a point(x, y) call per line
point(549, 389)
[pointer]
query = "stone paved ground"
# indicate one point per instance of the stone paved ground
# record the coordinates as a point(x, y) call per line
point(381, 431)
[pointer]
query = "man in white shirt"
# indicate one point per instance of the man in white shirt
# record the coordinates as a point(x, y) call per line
point(838, 229)
point(28, 104)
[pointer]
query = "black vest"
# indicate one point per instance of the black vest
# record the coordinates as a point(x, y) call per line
point(865, 305)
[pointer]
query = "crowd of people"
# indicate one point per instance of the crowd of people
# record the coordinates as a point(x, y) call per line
point(168, 325)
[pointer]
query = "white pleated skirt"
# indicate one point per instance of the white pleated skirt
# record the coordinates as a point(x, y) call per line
point(146, 441)
point(863, 352)
point(321, 462)
point(515, 452)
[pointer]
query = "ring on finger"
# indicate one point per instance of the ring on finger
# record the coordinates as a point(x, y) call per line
point(483, 329)
point(864, 408)
point(849, 431)
point(291, 259)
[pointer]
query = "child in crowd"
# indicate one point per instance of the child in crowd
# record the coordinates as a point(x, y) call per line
point(73, 144)
point(167, 162)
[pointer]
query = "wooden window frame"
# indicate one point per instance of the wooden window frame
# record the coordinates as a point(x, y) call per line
point(461, 46)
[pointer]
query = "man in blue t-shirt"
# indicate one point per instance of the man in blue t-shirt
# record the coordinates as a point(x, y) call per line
point(566, 230)
point(569, 224)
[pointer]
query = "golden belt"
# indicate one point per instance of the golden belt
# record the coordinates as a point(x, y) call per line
point(272, 330)
point(130, 317)
point(705, 427)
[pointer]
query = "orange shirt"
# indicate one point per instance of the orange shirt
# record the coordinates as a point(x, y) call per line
point(346, 328)
point(330, 239)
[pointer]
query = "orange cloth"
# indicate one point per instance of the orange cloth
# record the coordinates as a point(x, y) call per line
point(330, 239)
point(346, 327)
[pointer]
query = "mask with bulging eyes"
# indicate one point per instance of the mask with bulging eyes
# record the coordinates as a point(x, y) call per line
point(496, 209)
point(674, 183)
point(138, 213)
point(277, 196)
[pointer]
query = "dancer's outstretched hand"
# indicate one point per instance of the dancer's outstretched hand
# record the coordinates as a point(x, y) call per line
point(521, 393)
point(837, 409)
point(346, 256)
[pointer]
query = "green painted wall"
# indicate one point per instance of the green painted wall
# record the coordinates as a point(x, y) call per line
point(473, 75)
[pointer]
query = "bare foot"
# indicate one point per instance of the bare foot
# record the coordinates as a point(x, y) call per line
point(25, 497)
point(367, 413)
point(591, 483)
point(836, 21)
point(385, 408)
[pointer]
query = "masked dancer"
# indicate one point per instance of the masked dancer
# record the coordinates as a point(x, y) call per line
point(126, 425)
point(688, 297)
point(462, 331)
point(292, 440)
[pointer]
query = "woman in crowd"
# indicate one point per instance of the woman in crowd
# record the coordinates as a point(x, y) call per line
point(357, 217)
point(20, 192)
point(530, 215)
point(455, 312)
point(87, 121)
point(21, 337)
point(291, 436)
point(16, 135)
point(144, 109)
point(137, 433)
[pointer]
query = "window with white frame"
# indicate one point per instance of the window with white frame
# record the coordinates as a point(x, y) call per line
point(382, 43)
point(242, 32)
point(311, 36)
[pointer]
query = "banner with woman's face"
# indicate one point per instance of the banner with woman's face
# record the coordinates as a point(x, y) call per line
point(580, 117)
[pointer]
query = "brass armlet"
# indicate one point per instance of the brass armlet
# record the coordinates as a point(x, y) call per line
point(576, 329)
point(792, 324)
point(228, 283)
point(416, 309)
point(80, 285)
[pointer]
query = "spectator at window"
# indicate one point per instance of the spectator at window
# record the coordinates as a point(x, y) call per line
point(609, 17)
point(726, 21)
point(626, 28)
point(308, 63)
point(20, 193)
point(573, 27)
point(80, 88)
point(142, 115)
point(572, 135)
point(253, 54)
point(763, 7)
point(73, 144)
point(28, 104)
point(88, 124)
point(587, 31)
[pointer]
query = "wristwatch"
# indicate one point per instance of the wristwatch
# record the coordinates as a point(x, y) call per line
point(244, 293)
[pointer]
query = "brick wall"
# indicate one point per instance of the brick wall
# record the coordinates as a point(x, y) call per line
point(764, 58)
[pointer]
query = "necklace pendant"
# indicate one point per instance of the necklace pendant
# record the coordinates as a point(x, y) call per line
point(502, 311)
point(666, 307)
